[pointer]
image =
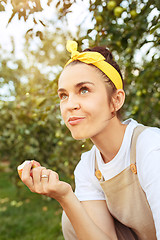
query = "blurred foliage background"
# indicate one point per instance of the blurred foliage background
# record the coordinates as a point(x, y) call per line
point(30, 124)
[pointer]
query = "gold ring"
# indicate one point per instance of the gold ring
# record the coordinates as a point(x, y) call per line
point(44, 176)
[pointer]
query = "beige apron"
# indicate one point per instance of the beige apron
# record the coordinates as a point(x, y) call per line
point(126, 201)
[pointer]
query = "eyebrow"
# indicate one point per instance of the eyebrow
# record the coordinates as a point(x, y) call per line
point(76, 86)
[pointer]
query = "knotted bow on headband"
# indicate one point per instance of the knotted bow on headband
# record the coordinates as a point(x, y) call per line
point(97, 60)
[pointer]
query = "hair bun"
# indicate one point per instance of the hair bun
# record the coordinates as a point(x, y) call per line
point(108, 56)
point(102, 50)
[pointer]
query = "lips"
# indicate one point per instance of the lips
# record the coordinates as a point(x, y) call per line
point(75, 120)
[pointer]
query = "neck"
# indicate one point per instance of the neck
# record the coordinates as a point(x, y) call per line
point(110, 139)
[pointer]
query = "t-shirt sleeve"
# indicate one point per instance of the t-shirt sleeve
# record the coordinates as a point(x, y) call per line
point(148, 168)
point(87, 186)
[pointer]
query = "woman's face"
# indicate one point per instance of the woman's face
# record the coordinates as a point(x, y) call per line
point(83, 101)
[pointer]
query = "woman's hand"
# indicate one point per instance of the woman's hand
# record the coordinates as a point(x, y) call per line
point(46, 182)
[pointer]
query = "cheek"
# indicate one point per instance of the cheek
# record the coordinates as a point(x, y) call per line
point(99, 105)
point(62, 111)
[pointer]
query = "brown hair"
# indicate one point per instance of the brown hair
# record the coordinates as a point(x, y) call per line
point(108, 58)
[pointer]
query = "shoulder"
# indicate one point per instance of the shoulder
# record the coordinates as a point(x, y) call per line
point(148, 140)
point(87, 186)
point(86, 164)
point(148, 156)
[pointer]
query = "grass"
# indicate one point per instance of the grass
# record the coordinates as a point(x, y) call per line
point(25, 215)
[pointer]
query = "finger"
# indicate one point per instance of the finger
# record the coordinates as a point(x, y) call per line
point(45, 180)
point(45, 175)
point(53, 179)
point(53, 185)
point(26, 178)
point(26, 172)
point(36, 172)
point(35, 163)
point(53, 176)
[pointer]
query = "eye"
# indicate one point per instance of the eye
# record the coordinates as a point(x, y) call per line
point(84, 90)
point(62, 96)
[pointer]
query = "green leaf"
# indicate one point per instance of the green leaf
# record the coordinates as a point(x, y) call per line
point(40, 101)
point(154, 28)
point(12, 16)
point(2, 8)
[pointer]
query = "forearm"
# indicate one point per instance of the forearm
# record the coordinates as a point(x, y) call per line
point(83, 225)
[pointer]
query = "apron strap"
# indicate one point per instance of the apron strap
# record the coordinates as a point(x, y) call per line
point(136, 132)
point(98, 173)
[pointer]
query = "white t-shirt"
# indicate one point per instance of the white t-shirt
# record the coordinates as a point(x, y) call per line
point(147, 162)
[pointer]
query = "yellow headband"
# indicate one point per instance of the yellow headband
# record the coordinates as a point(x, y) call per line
point(97, 60)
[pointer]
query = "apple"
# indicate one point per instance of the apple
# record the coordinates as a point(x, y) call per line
point(111, 5)
point(99, 19)
point(128, 50)
point(139, 93)
point(118, 11)
point(118, 43)
point(133, 13)
point(20, 167)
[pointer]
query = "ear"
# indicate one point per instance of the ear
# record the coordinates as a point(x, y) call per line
point(118, 100)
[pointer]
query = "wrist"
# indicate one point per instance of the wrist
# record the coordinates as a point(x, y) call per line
point(67, 199)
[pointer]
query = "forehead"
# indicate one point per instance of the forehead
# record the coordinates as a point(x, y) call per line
point(74, 74)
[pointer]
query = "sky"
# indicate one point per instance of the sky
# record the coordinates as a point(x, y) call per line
point(17, 29)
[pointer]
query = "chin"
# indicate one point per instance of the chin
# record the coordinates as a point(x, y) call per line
point(79, 136)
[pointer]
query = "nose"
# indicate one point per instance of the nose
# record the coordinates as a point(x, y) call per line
point(73, 103)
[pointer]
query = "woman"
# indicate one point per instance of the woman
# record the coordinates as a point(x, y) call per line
point(120, 174)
